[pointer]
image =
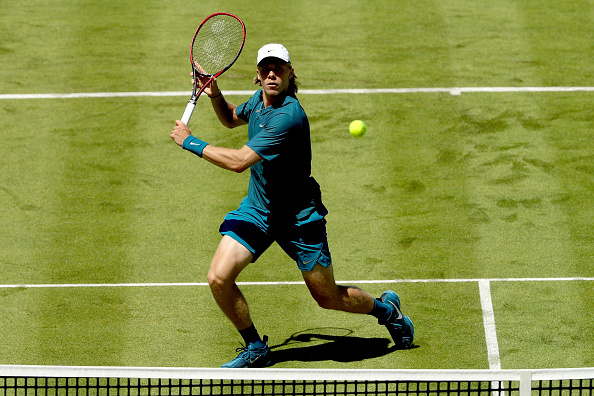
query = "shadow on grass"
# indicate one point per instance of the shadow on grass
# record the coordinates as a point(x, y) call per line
point(329, 343)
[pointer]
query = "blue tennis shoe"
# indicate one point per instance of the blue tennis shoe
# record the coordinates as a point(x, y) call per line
point(253, 355)
point(400, 326)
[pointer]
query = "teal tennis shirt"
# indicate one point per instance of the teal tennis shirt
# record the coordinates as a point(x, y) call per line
point(281, 184)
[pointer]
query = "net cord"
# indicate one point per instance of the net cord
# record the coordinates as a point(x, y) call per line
point(294, 374)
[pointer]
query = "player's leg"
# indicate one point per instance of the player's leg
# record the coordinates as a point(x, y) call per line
point(323, 288)
point(307, 244)
point(229, 260)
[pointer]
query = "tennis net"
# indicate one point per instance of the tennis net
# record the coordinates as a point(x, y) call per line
point(130, 381)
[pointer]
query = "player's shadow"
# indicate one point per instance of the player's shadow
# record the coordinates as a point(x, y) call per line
point(329, 343)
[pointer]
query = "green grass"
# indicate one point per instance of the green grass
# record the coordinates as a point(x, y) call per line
point(482, 185)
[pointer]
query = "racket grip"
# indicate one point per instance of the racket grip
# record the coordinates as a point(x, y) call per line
point(188, 113)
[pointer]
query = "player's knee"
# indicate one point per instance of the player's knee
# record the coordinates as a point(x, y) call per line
point(326, 302)
point(326, 297)
point(215, 281)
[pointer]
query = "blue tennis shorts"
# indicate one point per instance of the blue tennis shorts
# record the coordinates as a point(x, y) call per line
point(304, 240)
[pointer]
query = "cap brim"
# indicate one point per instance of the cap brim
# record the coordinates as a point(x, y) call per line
point(272, 58)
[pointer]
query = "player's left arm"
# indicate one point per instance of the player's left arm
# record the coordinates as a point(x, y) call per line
point(231, 159)
point(226, 158)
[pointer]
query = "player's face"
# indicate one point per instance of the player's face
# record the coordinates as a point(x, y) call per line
point(275, 77)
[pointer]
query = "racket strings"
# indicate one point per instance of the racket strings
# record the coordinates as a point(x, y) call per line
point(217, 44)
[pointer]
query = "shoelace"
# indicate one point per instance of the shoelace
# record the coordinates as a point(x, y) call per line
point(251, 356)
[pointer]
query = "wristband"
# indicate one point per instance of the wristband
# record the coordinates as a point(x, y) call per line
point(194, 145)
point(216, 96)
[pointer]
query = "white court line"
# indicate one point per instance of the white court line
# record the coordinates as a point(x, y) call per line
point(282, 283)
point(451, 91)
point(489, 323)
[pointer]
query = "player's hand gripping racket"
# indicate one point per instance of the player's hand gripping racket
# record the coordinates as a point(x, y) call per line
point(216, 45)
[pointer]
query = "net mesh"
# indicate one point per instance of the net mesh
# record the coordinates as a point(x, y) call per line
point(11, 386)
point(123, 383)
point(217, 43)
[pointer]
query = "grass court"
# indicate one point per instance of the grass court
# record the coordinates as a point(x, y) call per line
point(445, 193)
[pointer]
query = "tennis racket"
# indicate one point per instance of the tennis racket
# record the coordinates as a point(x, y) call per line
point(216, 45)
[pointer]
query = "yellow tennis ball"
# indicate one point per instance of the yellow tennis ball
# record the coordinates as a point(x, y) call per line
point(357, 128)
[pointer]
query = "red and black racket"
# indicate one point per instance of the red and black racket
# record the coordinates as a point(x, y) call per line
point(216, 45)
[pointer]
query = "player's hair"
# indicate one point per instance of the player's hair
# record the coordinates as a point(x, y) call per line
point(293, 83)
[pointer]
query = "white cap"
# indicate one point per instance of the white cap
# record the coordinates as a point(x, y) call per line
point(274, 51)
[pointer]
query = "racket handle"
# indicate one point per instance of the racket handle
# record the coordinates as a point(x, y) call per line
point(188, 113)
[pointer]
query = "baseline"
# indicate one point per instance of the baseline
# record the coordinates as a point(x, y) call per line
point(451, 91)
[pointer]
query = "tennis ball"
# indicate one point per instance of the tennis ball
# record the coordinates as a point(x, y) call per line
point(357, 128)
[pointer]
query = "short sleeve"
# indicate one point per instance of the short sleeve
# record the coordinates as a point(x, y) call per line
point(268, 142)
point(244, 110)
point(241, 111)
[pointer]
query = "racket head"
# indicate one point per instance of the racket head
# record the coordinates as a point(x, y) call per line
point(217, 43)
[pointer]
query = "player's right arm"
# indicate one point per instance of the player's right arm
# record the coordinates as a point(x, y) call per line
point(225, 111)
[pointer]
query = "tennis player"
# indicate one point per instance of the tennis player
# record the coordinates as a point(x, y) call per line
point(283, 204)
